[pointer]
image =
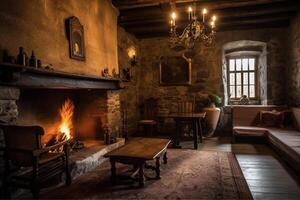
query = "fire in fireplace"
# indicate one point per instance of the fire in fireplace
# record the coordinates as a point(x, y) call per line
point(63, 130)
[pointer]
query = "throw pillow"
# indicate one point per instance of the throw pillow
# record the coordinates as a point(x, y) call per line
point(271, 118)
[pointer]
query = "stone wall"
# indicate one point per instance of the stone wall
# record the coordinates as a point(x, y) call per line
point(293, 68)
point(8, 115)
point(207, 67)
point(129, 95)
point(39, 25)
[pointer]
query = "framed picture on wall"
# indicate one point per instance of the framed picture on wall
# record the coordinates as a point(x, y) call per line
point(175, 70)
point(76, 39)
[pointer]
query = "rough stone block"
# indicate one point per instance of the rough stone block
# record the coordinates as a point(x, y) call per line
point(9, 93)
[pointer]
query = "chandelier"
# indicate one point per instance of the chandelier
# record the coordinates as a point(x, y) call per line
point(197, 29)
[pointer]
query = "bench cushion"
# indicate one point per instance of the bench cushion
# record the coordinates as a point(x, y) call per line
point(287, 141)
point(296, 114)
point(249, 131)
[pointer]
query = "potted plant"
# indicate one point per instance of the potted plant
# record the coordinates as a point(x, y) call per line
point(209, 104)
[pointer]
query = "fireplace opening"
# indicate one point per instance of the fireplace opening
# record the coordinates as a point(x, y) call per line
point(80, 115)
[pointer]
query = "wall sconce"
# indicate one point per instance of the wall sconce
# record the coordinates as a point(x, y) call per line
point(132, 56)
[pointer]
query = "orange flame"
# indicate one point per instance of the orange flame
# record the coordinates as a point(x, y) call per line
point(66, 113)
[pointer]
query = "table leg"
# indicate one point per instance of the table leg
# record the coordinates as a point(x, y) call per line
point(157, 168)
point(195, 132)
point(200, 130)
point(141, 176)
point(176, 137)
point(113, 171)
point(165, 158)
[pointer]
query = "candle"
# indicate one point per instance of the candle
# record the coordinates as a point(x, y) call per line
point(204, 12)
point(173, 16)
point(214, 18)
point(190, 12)
point(212, 23)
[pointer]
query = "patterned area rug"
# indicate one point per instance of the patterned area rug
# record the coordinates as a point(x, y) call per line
point(189, 174)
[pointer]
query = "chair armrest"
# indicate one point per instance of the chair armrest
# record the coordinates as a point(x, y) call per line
point(38, 152)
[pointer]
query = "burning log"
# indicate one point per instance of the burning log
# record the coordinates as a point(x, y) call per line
point(65, 128)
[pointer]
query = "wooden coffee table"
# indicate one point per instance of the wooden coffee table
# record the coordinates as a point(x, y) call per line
point(136, 152)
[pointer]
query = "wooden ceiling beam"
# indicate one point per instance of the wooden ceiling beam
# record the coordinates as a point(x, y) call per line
point(276, 24)
point(222, 15)
point(129, 5)
point(210, 5)
point(135, 4)
point(240, 22)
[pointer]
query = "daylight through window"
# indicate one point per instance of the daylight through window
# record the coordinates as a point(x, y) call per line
point(242, 77)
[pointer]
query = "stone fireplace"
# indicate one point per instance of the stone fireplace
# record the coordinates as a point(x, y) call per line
point(35, 96)
point(95, 111)
point(91, 116)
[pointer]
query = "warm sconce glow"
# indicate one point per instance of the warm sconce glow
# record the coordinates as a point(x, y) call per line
point(190, 9)
point(66, 114)
point(132, 55)
point(204, 11)
point(131, 52)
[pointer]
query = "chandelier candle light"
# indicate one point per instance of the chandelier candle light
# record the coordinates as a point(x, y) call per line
point(196, 30)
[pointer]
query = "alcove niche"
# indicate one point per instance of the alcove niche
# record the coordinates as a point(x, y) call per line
point(244, 48)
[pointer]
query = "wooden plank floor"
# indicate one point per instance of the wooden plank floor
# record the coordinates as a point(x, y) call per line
point(266, 174)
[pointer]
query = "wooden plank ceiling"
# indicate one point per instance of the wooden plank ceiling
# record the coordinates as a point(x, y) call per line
point(150, 18)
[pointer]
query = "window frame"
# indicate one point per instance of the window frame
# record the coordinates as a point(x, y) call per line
point(248, 56)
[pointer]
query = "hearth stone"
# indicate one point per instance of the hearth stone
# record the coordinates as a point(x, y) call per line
point(91, 156)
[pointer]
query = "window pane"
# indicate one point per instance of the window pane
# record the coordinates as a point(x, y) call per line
point(245, 78)
point(252, 91)
point(232, 92)
point(238, 79)
point(238, 64)
point(245, 90)
point(245, 64)
point(251, 64)
point(231, 64)
point(232, 79)
point(238, 91)
point(252, 78)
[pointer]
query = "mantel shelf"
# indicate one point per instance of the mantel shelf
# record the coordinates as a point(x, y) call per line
point(29, 77)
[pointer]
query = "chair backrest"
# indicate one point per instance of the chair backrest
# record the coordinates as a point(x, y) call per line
point(18, 138)
point(185, 107)
point(149, 109)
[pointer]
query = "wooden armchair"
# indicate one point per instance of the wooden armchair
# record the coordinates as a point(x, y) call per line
point(148, 112)
point(27, 164)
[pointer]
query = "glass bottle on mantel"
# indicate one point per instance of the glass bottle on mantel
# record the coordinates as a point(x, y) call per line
point(33, 60)
point(22, 57)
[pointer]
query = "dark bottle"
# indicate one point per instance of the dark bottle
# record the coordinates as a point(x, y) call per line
point(39, 64)
point(22, 57)
point(33, 60)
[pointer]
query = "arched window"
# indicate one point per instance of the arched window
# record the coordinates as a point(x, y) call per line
point(245, 71)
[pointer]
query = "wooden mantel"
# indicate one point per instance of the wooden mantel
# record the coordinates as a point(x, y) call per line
point(29, 77)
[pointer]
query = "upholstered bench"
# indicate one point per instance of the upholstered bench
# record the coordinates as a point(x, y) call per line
point(286, 141)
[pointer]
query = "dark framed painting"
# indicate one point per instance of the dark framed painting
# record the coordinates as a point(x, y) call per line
point(175, 70)
point(76, 39)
